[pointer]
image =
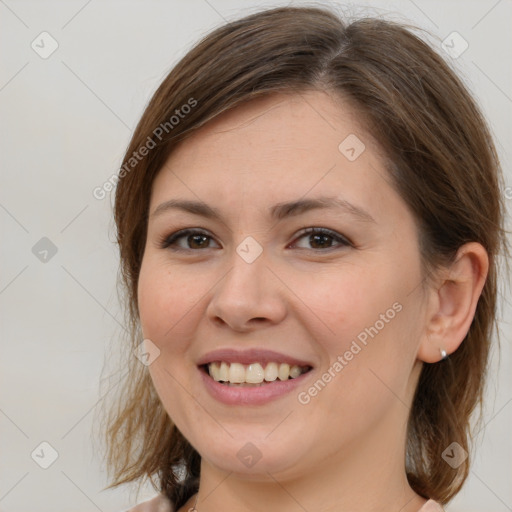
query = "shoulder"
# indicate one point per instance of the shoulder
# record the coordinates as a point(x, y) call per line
point(157, 504)
point(431, 506)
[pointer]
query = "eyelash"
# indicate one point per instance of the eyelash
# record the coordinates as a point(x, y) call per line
point(168, 241)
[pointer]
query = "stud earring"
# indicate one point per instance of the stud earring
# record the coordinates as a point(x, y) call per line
point(443, 354)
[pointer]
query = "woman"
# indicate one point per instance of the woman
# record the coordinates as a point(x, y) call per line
point(309, 219)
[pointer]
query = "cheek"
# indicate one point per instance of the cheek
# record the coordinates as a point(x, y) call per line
point(170, 304)
point(367, 371)
point(151, 299)
point(366, 319)
point(161, 301)
point(345, 302)
point(372, 350)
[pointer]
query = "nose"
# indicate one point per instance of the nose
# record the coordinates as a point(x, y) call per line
point(248, 296)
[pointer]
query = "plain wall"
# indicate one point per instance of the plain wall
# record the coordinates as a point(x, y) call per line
point(65, 123)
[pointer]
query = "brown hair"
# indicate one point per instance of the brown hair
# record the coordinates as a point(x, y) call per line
point(442, 161)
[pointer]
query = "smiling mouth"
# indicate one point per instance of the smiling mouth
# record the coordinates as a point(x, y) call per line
point(254, 374)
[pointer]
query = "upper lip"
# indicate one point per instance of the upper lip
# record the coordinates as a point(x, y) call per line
point(249, 356)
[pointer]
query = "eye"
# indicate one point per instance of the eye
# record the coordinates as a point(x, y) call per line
point(322, 237)
point(195, 239)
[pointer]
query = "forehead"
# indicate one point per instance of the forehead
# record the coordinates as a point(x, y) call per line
point(307, 123)
point(276, 149)
point(281, 136)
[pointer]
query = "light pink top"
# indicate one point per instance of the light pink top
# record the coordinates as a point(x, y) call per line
point(161, 504)
point(431, 506)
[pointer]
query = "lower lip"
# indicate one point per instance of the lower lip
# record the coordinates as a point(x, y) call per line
point(250, 395)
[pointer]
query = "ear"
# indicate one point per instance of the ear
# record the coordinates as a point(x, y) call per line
point(452, 302)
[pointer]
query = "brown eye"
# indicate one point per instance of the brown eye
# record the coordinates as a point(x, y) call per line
point(194, 240)
point(321, 238)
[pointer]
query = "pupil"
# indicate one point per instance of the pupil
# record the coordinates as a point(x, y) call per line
point(321, 236)
point(195, 237)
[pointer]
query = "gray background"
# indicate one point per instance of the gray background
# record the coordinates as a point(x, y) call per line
point(66, 120)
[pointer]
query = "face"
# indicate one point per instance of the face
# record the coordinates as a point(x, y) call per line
point(334, 289)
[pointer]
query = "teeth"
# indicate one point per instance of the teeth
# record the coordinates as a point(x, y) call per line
point(236, 373)
point(295, 371)
point(224, 371)
point(271, 372)
point(254, 373)
point(284, 371)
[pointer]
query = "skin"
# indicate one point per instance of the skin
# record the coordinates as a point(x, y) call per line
point(345, 449)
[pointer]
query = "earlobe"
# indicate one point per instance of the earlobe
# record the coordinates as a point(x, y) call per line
point(453, 303)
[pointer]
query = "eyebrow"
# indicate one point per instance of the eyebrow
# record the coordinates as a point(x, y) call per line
point(278, 212)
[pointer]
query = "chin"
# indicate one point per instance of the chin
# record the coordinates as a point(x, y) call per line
point(253, 457)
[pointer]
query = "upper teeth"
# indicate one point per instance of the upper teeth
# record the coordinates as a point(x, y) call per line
point(253, 373)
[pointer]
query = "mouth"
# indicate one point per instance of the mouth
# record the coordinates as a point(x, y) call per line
point(256, 374)
point(251, 377)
